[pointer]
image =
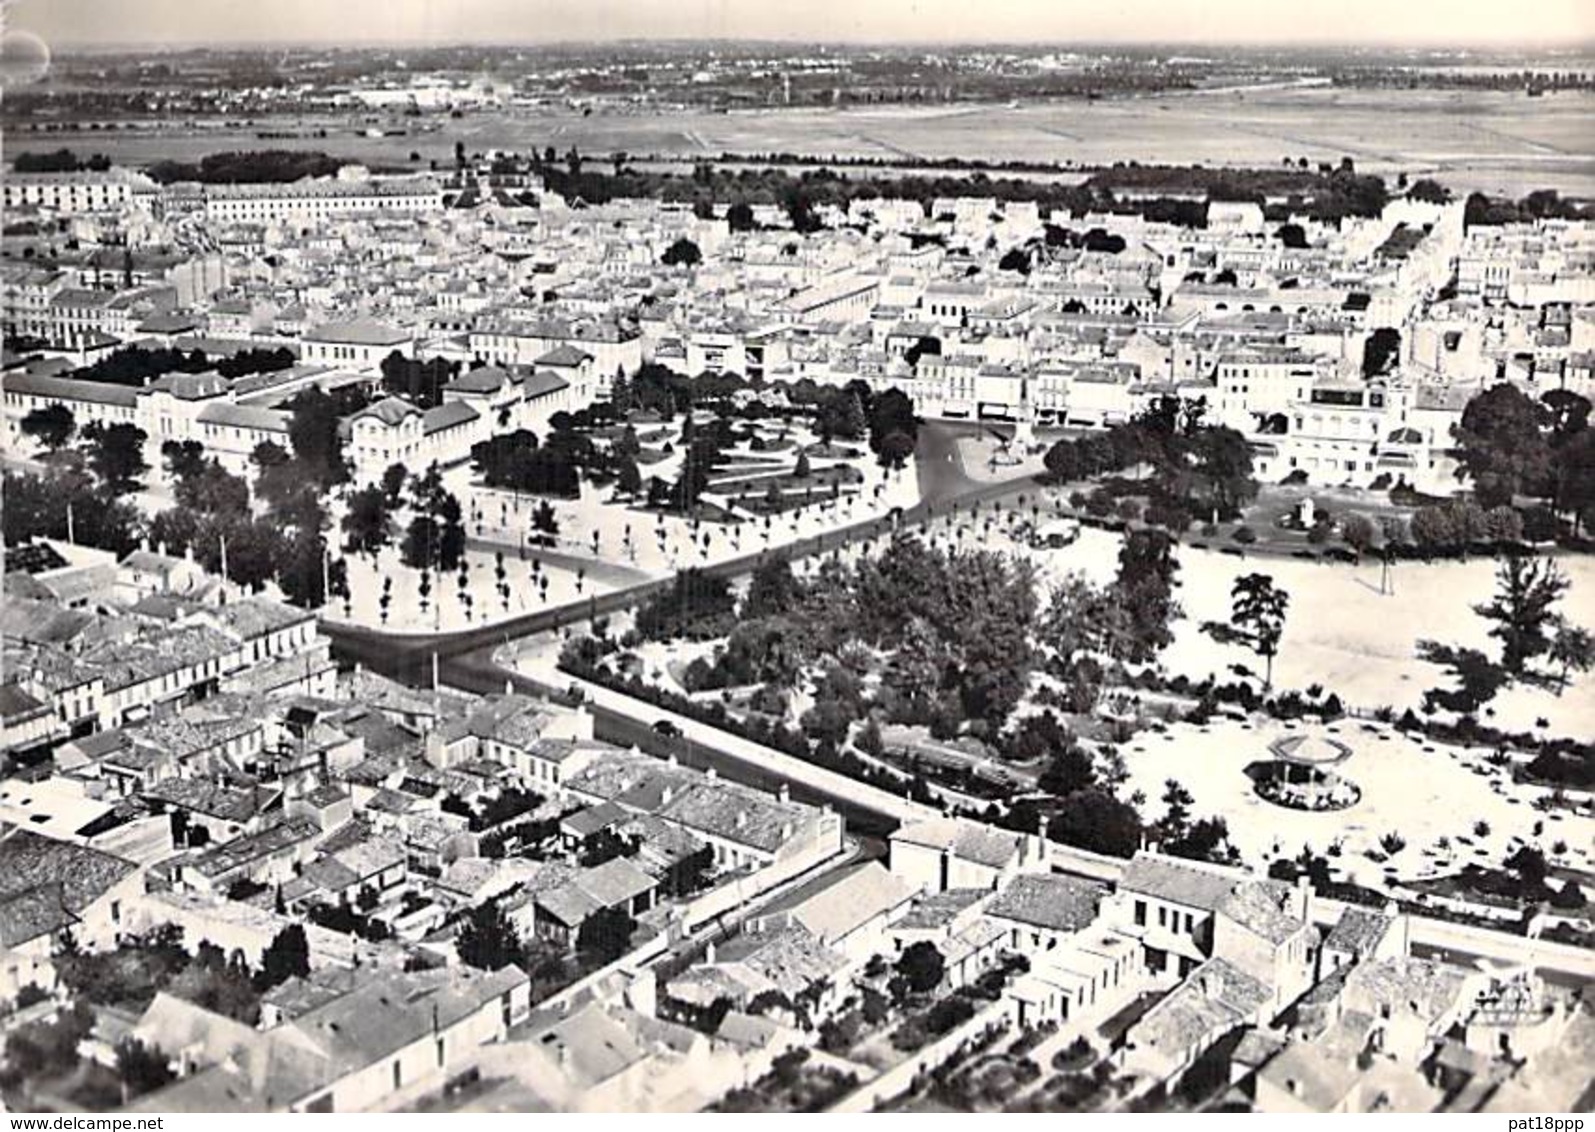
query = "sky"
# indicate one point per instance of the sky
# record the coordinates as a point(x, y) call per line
point(1464, 23)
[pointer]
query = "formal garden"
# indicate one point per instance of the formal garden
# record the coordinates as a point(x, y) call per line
point(1098, 685)
point(614, 496)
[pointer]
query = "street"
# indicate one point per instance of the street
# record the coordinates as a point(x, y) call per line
point(465, 659)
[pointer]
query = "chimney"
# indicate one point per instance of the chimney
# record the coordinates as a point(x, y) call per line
point(710, 774)
point(1304, 898)
point(665, 795)
point(742, 818)
point(784, 794)
point(708, 954)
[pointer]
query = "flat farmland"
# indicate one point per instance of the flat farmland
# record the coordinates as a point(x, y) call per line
point(1499, 143)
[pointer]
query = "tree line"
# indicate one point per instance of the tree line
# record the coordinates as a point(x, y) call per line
point(1324, 195)
point(83, 490)
point(138, 365)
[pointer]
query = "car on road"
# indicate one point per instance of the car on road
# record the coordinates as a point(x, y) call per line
point(666, 728)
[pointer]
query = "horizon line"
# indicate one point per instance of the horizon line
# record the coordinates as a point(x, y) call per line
point(168, 46)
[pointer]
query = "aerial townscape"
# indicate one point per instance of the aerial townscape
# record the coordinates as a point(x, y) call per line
point(665, 576)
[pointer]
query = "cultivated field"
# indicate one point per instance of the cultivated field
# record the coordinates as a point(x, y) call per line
point(1501, 143)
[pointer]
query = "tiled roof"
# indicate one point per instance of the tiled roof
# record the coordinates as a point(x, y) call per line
point(257, 616)
point(189, 386)
point(183, 736)
point(1265, 908)
point(585, 823)
point(568, 904)
point(541, 382)
point(614, 882)
point(1056, 902)
point(734, 813)
point(74, 876)
point(1431, 986)
point(1177, 881)
point(1215, 998)
point(359, 332)
point(564, 355)
point(968, 840)
point(31, 914)
point(372, 856)
point(451, 414)
point(328, 874)
point(590, 1046)
point(242, 851)
point(205, 796)
point(391, 411)
point(125, 663)
point(244, 416)
point(483, 379)
point(937, 910)
point(1358, 931)
point(17, 704)
point(787, 959)
point(42, 622)
point(851, 900)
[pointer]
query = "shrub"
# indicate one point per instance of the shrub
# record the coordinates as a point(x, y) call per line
point(1244, 535)
point(768, 699)
point(1074, 1056)
point(948, 1013)
point(1161, 514)
point(1569, 896)
point(31, 995)
point(1539, 524)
